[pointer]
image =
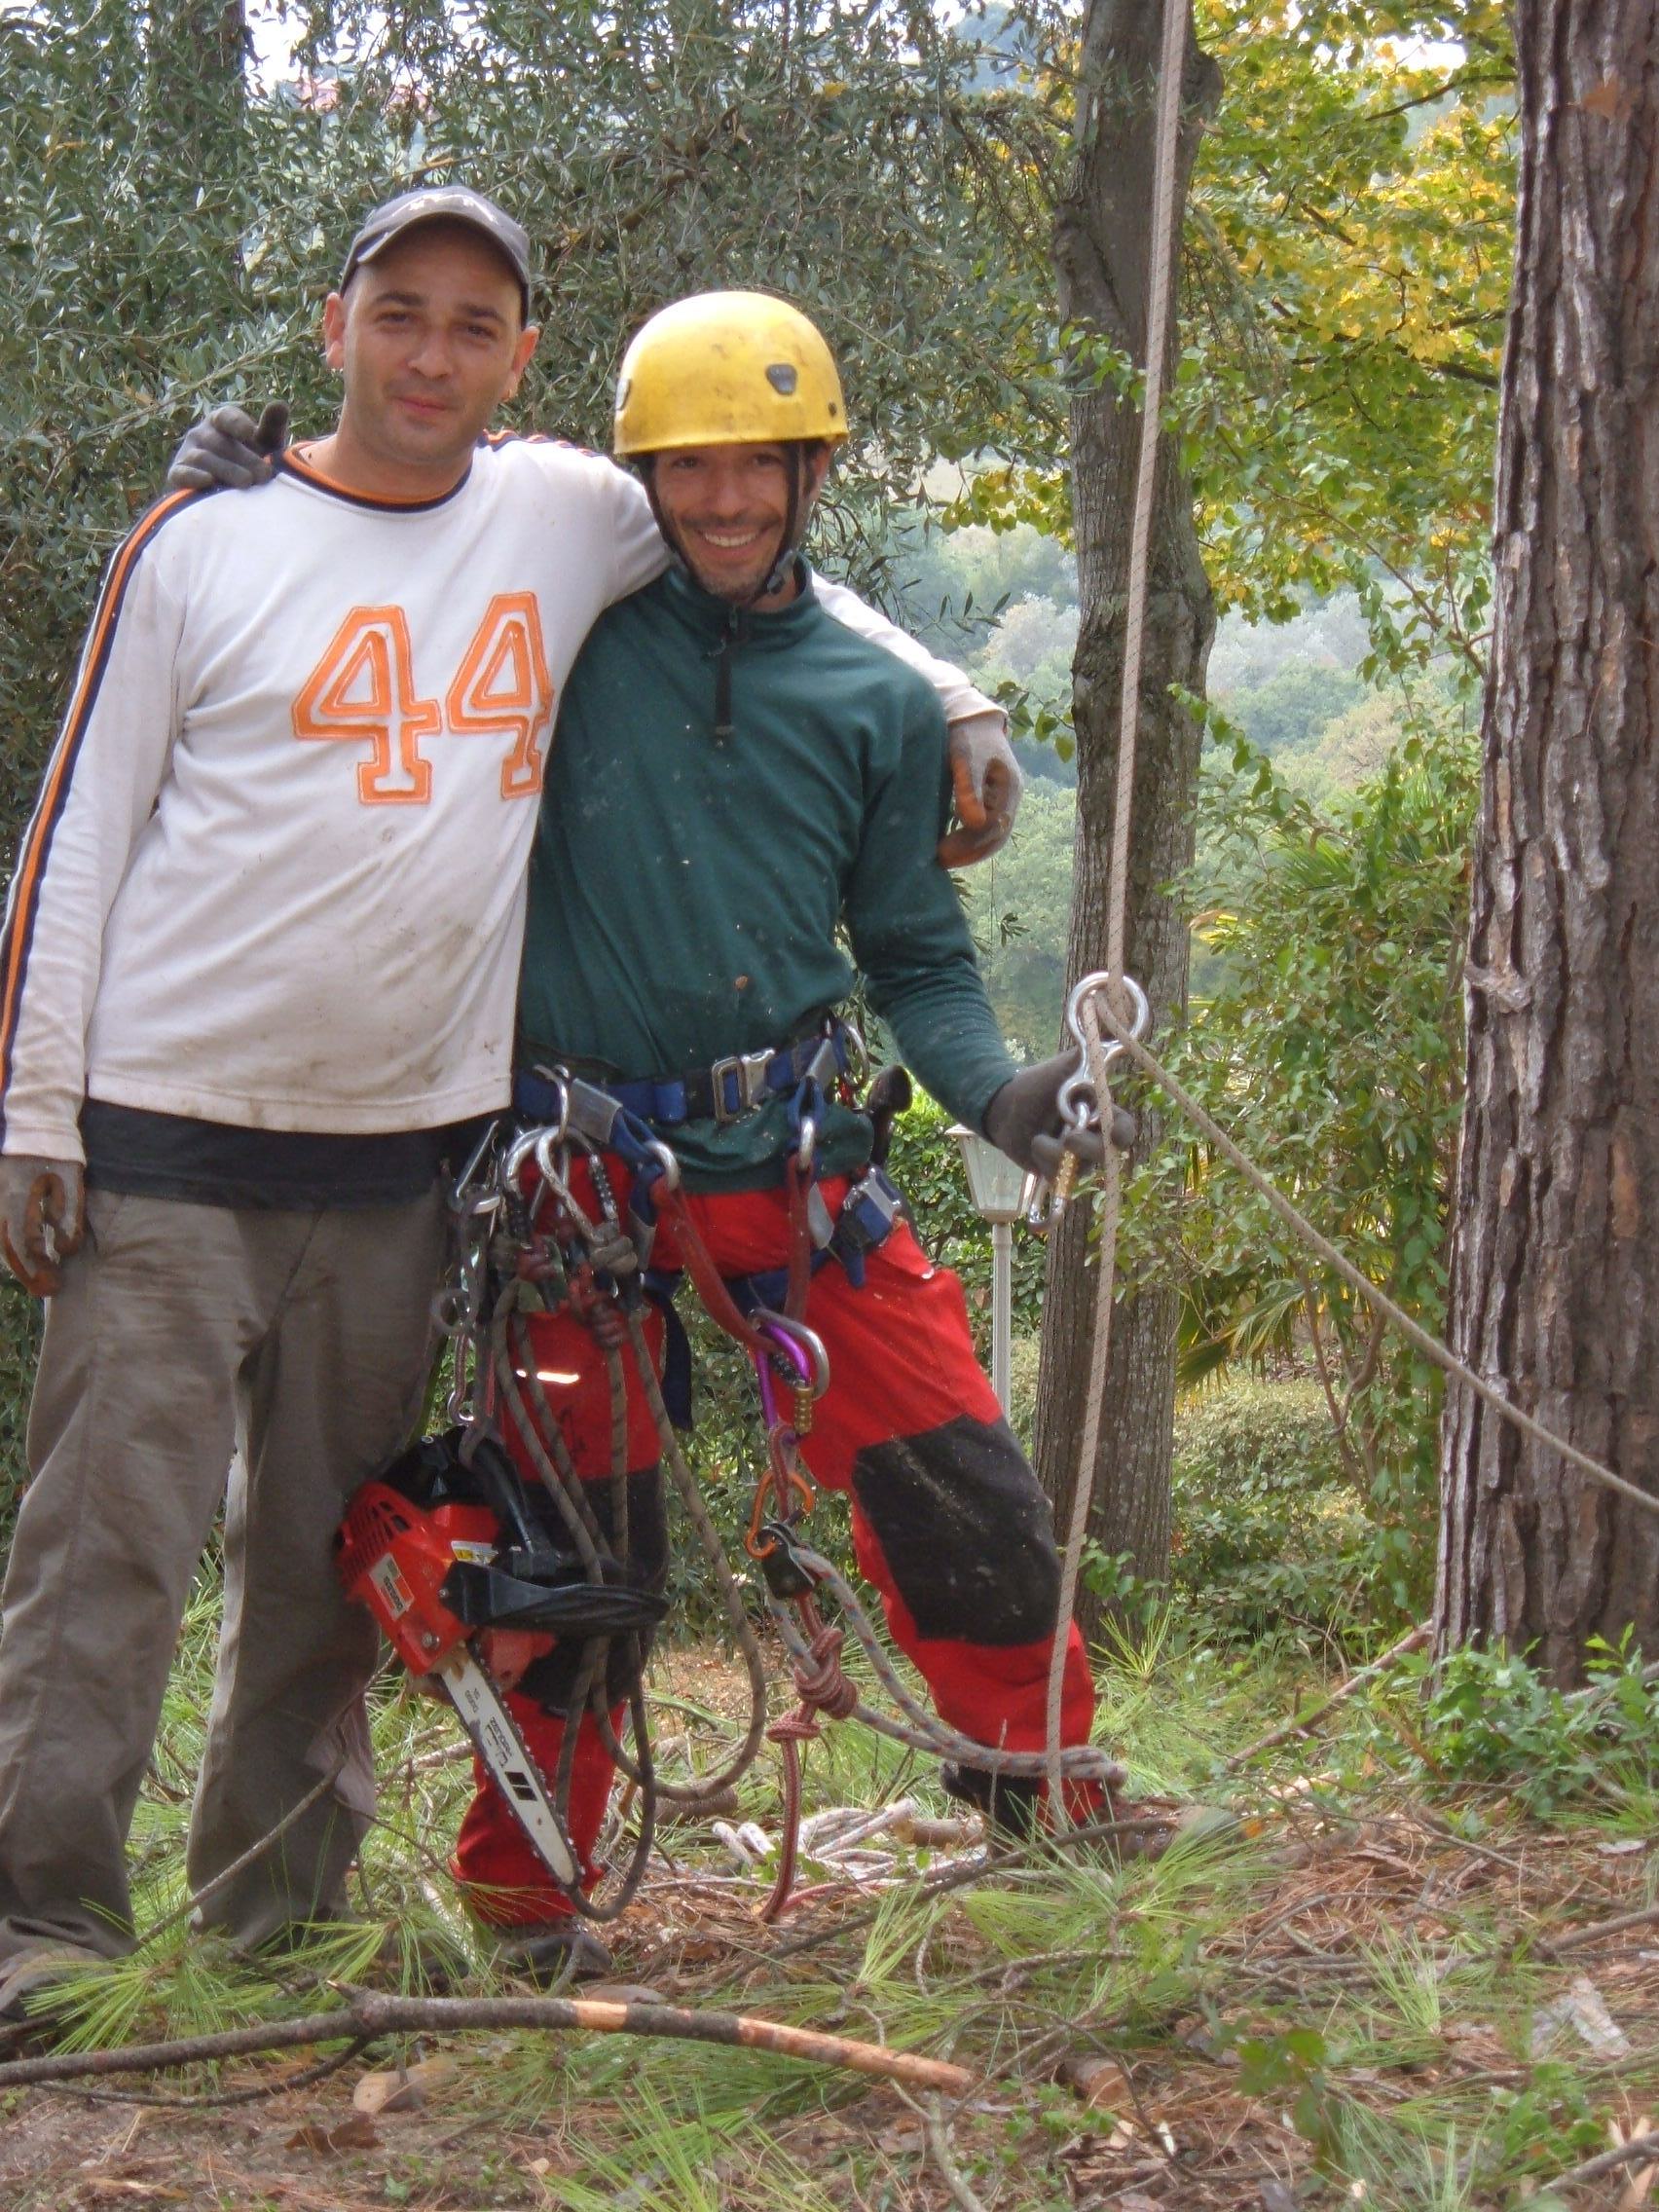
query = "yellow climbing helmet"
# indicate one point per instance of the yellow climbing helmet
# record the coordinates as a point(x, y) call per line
point(728, 368)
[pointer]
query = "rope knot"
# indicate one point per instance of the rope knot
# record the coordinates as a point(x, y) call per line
point(798, 1727)
point(823, 1686)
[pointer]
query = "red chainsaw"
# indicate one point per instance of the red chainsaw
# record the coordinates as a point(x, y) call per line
point(440, 1547)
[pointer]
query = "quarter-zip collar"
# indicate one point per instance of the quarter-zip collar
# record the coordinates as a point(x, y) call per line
point(726, 628)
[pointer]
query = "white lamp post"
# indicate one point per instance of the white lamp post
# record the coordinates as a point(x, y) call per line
point(997, 1188)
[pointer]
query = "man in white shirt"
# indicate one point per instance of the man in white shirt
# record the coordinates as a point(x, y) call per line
point(258, 968)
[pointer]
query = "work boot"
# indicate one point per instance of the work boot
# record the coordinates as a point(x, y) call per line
point(1010, 1802)
point(428, 1962)
point(1151, 1826)
point(552, 1954)
point(26, 1978)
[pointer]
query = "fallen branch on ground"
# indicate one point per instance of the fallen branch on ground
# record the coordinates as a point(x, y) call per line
point(938, 2135)
point(1553, 1946)
point(1305, 1723)
point(1609, 2161)
point(371, 2017)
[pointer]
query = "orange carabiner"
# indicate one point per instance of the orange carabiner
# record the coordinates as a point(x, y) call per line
point(783, 1480)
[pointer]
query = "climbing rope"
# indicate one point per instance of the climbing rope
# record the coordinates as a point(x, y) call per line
point(533, 1246)
point(1432, 1349)
point(1093, 1002)
point(1161, 257)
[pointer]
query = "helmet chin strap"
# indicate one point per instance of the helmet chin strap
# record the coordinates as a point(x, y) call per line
point(737, 626)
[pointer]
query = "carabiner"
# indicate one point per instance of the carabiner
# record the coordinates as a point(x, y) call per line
point(522, 1148)
point(668, 1163)
point(858, 1063)
point(557, 1182)
point(558, 1079)
point(1077, 1098)
point(782, 1480)
point(801, 1346)
point(464, 1195)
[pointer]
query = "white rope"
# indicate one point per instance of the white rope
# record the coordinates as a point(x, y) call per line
point(1430, 1347)
point(1161, 288)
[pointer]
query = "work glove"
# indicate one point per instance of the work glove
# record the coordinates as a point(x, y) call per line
point(987, 782)
point(1023, 1120)
point(42, 1219)
point(229, 450)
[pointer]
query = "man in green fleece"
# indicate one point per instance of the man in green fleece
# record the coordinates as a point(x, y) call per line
point(791, 780)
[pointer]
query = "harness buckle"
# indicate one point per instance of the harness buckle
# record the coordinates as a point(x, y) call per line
point(748, 1071)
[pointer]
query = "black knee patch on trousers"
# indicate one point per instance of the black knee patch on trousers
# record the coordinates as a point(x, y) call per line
point(966, 1532)
point(551, 1680)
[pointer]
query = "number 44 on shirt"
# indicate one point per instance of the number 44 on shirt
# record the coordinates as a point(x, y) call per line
point(362, 691)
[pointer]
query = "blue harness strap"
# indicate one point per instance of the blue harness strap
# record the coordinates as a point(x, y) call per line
point(726, 1091)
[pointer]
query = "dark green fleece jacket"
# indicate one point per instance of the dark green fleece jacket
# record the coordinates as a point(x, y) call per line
point(687, 889)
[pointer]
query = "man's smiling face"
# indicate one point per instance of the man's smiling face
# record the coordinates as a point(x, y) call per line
point(432, 338)
point(728, 507)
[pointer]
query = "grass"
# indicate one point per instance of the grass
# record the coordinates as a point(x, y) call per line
point(1343, 2008)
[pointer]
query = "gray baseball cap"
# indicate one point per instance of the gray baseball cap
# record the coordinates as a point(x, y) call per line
point(449, 204)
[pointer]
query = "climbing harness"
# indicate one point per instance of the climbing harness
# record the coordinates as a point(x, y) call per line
point(540, 1229)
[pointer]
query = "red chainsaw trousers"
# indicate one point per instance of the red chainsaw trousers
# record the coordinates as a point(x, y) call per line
point(948, 1521)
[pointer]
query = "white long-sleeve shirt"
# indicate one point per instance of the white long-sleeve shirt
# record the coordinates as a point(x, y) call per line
point(275, 877)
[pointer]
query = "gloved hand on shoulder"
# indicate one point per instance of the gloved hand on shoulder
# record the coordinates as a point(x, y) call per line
point(229, 450)
point(986, 781)
point(1023, 1120)
point(42, 1218)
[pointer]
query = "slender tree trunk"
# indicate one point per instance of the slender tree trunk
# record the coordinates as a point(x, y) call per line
point(197, 52)
point(1101, 250)
point(1555, 1286)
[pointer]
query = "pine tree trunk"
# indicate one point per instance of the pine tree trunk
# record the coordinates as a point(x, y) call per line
point(1555, 1288)
point(1102, 245)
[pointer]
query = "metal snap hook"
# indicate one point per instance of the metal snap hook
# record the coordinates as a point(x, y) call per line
point(667, 1160)
point(801, 1346)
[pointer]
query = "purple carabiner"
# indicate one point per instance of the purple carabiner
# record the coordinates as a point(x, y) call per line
point(784, 1340)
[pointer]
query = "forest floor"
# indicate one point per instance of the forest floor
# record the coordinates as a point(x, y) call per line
point(1393, 1987)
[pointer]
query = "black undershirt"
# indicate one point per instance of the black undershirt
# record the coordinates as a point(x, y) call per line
point(170, 1156)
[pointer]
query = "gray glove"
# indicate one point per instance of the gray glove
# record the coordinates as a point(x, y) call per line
point(42, 1219)
point(229, 450)
point(986, 784)
point(1023, 1120)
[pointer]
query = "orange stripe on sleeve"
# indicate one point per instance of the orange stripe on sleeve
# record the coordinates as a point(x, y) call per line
point(19, 925)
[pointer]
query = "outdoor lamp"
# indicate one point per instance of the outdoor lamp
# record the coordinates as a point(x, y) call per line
point(997, 1187)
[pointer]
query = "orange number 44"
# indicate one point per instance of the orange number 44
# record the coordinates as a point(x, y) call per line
point(502, 684)
point(363, 689)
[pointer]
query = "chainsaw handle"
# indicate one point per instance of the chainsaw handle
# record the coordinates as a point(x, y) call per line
point(489, 1466)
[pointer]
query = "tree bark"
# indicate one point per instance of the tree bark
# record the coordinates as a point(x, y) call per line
point(1555, 1282)
point(1102, 243)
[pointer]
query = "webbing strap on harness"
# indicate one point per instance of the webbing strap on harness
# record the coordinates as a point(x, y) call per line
point(724, 1092)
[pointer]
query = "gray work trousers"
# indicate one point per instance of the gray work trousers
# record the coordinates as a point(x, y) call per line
point(181, 1332)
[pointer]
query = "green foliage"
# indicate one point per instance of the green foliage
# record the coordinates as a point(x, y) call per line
point(1330, 1046)
point(1353, 218)
point(1269, 1536)
point(928, 1169)
point(1020, 907)
point(1290, 710)
point(1346, 268)
point(1486, 1715)
point(838, 157)
point(1289, 2067)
